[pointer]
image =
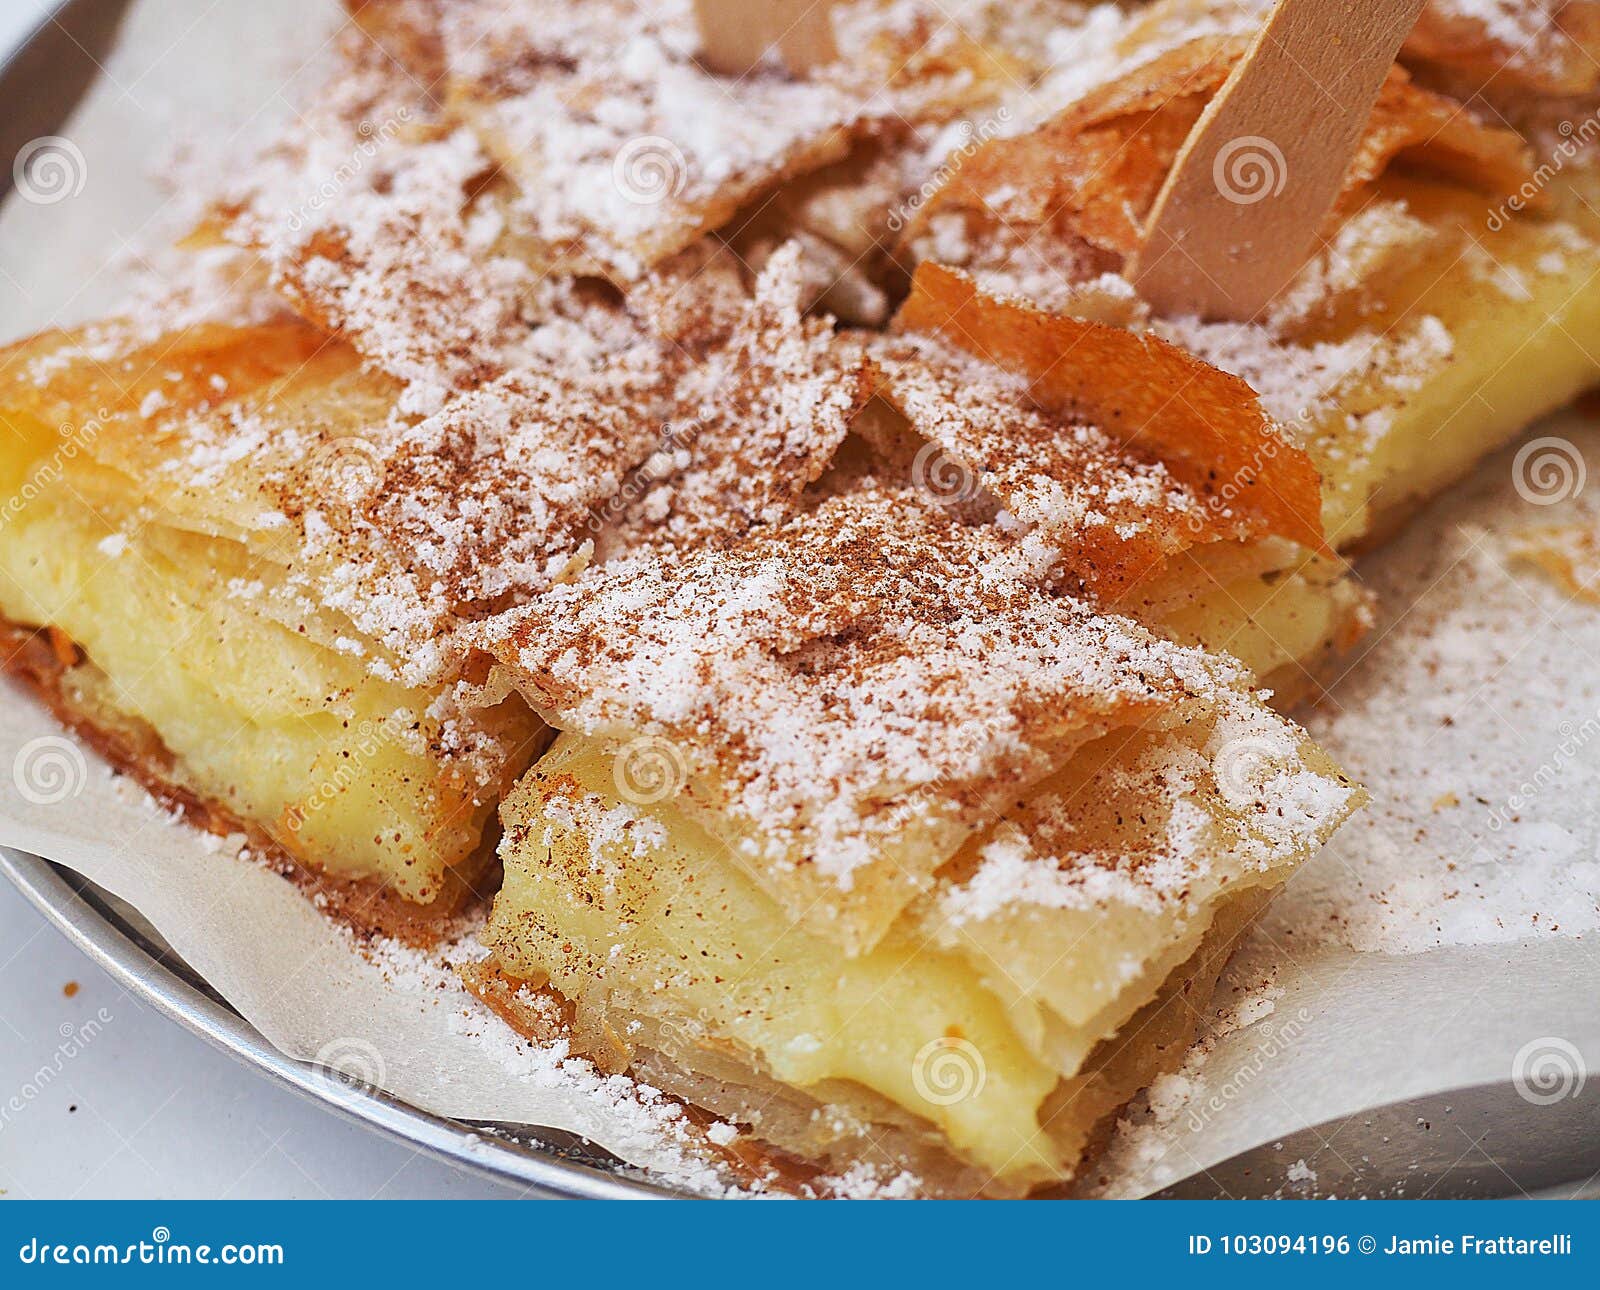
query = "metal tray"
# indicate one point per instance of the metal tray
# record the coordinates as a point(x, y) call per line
point(546, 1163)
point(1519, 1149)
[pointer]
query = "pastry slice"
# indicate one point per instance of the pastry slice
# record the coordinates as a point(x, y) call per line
point(894, 748)
point(1445, 309)
point(503, 172)
point(248, 569)
point(1130, 473)
point(883, 858)
point(239, 560)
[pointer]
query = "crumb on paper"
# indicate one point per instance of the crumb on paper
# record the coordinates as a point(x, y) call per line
point(1569, 554)
point(1301, 1173)
point(722, 1134)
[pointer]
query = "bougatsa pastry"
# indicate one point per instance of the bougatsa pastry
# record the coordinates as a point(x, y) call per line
point(760, 510)
point(1458, 242)
point(877, 856)
point(1218, 542)
point(557, 864)
point(187, 522)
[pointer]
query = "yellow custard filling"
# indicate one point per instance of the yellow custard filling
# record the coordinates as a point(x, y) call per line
point(342, 769)
point(976, 1025)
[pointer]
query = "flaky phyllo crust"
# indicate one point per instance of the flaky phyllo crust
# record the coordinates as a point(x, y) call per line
point(762, 509)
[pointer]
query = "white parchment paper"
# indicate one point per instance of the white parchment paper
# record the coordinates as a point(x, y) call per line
point(1450, 937)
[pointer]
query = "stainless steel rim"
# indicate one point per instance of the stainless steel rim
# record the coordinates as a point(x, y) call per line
point(150, 973)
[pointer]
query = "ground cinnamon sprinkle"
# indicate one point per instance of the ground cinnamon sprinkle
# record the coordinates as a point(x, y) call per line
point(574, 429)
point(535, 386)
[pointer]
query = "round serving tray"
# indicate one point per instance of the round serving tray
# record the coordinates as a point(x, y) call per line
point(1525, 1153)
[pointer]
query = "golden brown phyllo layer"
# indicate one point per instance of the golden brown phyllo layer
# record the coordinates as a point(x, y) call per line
point(760, 512)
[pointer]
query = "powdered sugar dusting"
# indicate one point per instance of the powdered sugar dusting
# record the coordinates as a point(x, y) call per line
point(858, 647)
point(641, 1123)
point(526, 385)
point(1478, 737)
